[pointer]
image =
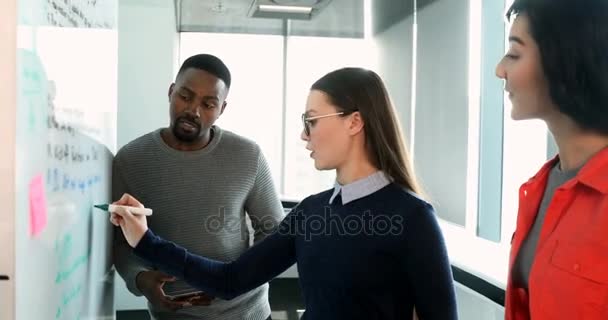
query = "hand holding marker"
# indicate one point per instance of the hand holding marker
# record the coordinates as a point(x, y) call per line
point(133, 210)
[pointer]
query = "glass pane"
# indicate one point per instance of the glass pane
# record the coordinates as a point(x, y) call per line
point(525, 151)
point(492, 119)
point(255, 104)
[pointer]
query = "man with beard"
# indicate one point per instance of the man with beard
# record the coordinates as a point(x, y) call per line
point(202, 182)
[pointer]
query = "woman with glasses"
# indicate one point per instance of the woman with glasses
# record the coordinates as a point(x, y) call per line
point(556, 70)
point(370, 248)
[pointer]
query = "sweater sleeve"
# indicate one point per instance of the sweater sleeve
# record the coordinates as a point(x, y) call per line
point(256, 266)
point(428, 267)
point(263, 205)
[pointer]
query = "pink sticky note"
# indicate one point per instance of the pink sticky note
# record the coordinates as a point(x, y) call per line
point(37, 206)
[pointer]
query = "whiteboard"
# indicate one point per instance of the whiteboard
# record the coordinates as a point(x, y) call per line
point(65, 138)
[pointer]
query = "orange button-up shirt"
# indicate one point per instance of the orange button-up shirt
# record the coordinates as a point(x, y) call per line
point(569, 275)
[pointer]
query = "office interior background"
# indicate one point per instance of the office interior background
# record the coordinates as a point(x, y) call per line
point(437, 58)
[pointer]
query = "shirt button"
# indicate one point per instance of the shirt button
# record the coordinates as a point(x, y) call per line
point(577, 267)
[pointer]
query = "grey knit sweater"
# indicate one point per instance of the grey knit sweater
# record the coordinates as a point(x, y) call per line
point(200, 200)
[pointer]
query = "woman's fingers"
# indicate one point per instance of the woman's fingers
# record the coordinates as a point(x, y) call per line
point(133, 226)
point(125, 214)
point(129, 200)
point(115, 219)
point(122, 215)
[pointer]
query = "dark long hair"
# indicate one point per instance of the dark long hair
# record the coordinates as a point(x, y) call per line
point(357, 89)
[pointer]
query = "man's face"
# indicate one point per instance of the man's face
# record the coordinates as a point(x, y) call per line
point(197, 99)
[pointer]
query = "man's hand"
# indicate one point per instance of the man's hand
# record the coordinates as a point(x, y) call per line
point(151, 283)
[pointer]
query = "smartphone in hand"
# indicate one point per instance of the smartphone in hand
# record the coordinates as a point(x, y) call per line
point(185, 296)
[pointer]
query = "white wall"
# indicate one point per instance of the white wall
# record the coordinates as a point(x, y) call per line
point(441, 134)
point(441, 104)
point(148, 44)
point(395, 48)
point(473, 306)
point(8, 103)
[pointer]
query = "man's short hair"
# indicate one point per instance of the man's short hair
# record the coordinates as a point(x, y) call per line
point(209, 63)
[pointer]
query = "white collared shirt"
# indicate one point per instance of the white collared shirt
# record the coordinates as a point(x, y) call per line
point(360, 188)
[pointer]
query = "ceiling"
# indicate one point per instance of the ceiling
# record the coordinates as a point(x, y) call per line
point(339, 18)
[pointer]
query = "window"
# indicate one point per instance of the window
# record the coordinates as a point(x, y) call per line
point(255, 103)
point(525, 151)
point(509, 152)
point(256, 107)
point(527, 138)
point(308, 59)
point(467, 149)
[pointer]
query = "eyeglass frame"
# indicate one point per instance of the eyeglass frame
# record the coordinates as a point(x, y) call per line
point(306, 120)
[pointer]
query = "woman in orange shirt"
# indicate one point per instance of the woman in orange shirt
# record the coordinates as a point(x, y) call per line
point(556, 70)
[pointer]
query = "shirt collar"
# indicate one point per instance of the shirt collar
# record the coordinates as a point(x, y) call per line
point(360, 188)
point(592, 174)
point(595, 172)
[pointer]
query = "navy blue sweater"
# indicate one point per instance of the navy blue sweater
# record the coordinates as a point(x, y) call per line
point(374, 258)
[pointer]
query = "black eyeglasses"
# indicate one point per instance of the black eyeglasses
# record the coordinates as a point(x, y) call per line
point(308, 121)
